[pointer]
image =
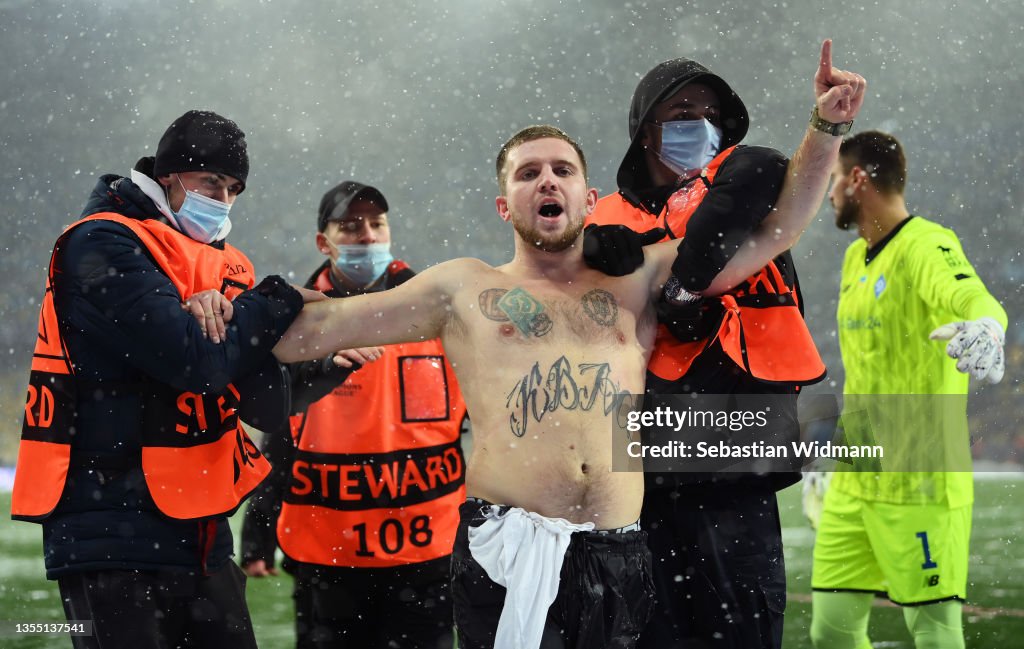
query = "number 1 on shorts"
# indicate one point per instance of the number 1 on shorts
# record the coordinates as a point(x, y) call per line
point(928, 563)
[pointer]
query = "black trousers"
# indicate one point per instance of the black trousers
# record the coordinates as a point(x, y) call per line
point(605, 594)
point(159, 609)
point(302, 599)
point(719, 573)
point(405, 607)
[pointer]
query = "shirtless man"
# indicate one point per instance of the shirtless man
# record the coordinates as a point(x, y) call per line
point(544, 348)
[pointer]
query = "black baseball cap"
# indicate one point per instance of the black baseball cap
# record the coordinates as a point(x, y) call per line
point(335, 202)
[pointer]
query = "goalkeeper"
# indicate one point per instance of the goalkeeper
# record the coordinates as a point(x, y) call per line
point(906, 288)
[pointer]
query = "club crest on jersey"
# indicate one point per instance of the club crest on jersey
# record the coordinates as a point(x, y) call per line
point(879, 286)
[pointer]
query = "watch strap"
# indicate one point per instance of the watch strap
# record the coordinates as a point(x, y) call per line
point(832, 128)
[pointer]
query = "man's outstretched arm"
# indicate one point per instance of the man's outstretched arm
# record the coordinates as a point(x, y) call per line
point(412, 312)
point(838, 98)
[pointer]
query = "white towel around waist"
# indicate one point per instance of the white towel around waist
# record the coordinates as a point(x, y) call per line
point(522, 551)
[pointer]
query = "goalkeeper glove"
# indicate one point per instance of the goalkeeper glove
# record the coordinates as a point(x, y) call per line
point(977, 345)
point(815, 485)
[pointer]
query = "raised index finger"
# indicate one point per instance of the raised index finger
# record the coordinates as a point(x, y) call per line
point(826, 56)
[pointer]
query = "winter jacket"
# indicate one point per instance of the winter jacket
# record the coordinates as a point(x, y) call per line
point(125, 330)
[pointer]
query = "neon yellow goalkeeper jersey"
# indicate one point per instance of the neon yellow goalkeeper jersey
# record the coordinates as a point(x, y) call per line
point(890, 299)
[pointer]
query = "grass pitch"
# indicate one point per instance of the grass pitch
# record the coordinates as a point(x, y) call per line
point(994, 616)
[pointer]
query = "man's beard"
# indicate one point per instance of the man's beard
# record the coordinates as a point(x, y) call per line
point(846, 216)
point(542, 241)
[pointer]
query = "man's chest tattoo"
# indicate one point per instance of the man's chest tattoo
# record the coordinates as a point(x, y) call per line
point(530, 316)
point(561, 388)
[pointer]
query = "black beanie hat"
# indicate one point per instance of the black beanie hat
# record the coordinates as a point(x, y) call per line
point(335, 202)
point(201, 140)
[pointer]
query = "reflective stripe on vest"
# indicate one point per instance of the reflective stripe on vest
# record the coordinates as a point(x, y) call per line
point(379, 474)
point(762, 330)
point(197, 459)
point(44, 453)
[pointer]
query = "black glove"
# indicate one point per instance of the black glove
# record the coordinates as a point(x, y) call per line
point(692, 321)
point(314, 380)
point(615, 249)
point(284, 300)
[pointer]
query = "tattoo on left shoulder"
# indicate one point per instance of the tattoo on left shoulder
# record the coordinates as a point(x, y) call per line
point(525, 312)
point(601, 306)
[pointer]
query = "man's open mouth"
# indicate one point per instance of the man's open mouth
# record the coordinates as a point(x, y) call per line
point(550, 210)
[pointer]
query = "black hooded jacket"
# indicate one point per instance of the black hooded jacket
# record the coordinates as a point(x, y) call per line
point(744, 190)
point(124, 327)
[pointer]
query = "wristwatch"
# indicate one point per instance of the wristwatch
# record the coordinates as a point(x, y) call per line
point(676, 294)
point(825, 126)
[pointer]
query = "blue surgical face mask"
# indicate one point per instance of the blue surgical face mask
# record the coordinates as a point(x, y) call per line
point(363, 263)
point(689, 145)
point(202, 218)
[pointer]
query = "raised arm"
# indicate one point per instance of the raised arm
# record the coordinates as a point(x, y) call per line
point(417, 310)
point(838, 98)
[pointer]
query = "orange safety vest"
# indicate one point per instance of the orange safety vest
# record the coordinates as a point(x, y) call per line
point(197, 459)
point(762, 330)
point(378, 474)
